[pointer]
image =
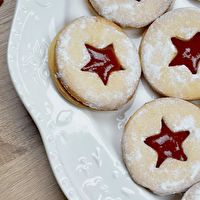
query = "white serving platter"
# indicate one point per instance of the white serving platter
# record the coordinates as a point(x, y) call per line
point(83, 146)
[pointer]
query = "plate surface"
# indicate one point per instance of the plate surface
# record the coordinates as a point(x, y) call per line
point(83, 146)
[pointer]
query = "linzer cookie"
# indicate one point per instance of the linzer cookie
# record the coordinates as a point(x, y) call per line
point(131, 13)
point(170, 54)
point(94, 64)
point(161, 145)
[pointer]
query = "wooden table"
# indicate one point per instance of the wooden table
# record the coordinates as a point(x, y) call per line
point(25, 173)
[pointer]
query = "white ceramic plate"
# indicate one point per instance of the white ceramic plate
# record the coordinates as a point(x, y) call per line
point(83, 146)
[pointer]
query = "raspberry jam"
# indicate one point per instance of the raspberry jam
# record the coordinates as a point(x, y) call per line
point(102, 62)
point(168, 144)
point(188, 53)
point(1, 2)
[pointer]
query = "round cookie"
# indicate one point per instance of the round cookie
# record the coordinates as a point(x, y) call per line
point(170, 54)
point(131, 13)
point(193, 193)
point(94, 64)
point(161, 145)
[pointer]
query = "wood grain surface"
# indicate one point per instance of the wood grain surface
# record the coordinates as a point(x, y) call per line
point(25, 173)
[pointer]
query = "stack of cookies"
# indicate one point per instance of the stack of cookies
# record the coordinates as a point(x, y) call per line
point(95, 65)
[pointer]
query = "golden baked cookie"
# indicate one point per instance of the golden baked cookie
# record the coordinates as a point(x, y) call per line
point(94, 64)
point(161, 145)
point(131, 13)
point(170, 54)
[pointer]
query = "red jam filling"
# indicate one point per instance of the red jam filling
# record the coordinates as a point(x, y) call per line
point(102, 62)
point(1, 2)
point(168, 144)
point(188, 53)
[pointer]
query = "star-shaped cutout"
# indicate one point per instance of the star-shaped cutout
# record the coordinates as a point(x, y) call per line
point(188, 53)
point(168, 144)
point(102, 62)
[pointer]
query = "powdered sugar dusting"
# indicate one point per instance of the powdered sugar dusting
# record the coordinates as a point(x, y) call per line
point(188, 31)
point(158, 51)
point(131, 12)
point(188, 123)
point(173, 176)
point(64, 41)
point(150, 51)
point(195, 169)
point(72, 56)
point(169, 184)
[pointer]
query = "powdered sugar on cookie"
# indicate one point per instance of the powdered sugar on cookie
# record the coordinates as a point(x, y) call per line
point(72, 55)
point(158, 51)
point(131, 12)
point(173, 176)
